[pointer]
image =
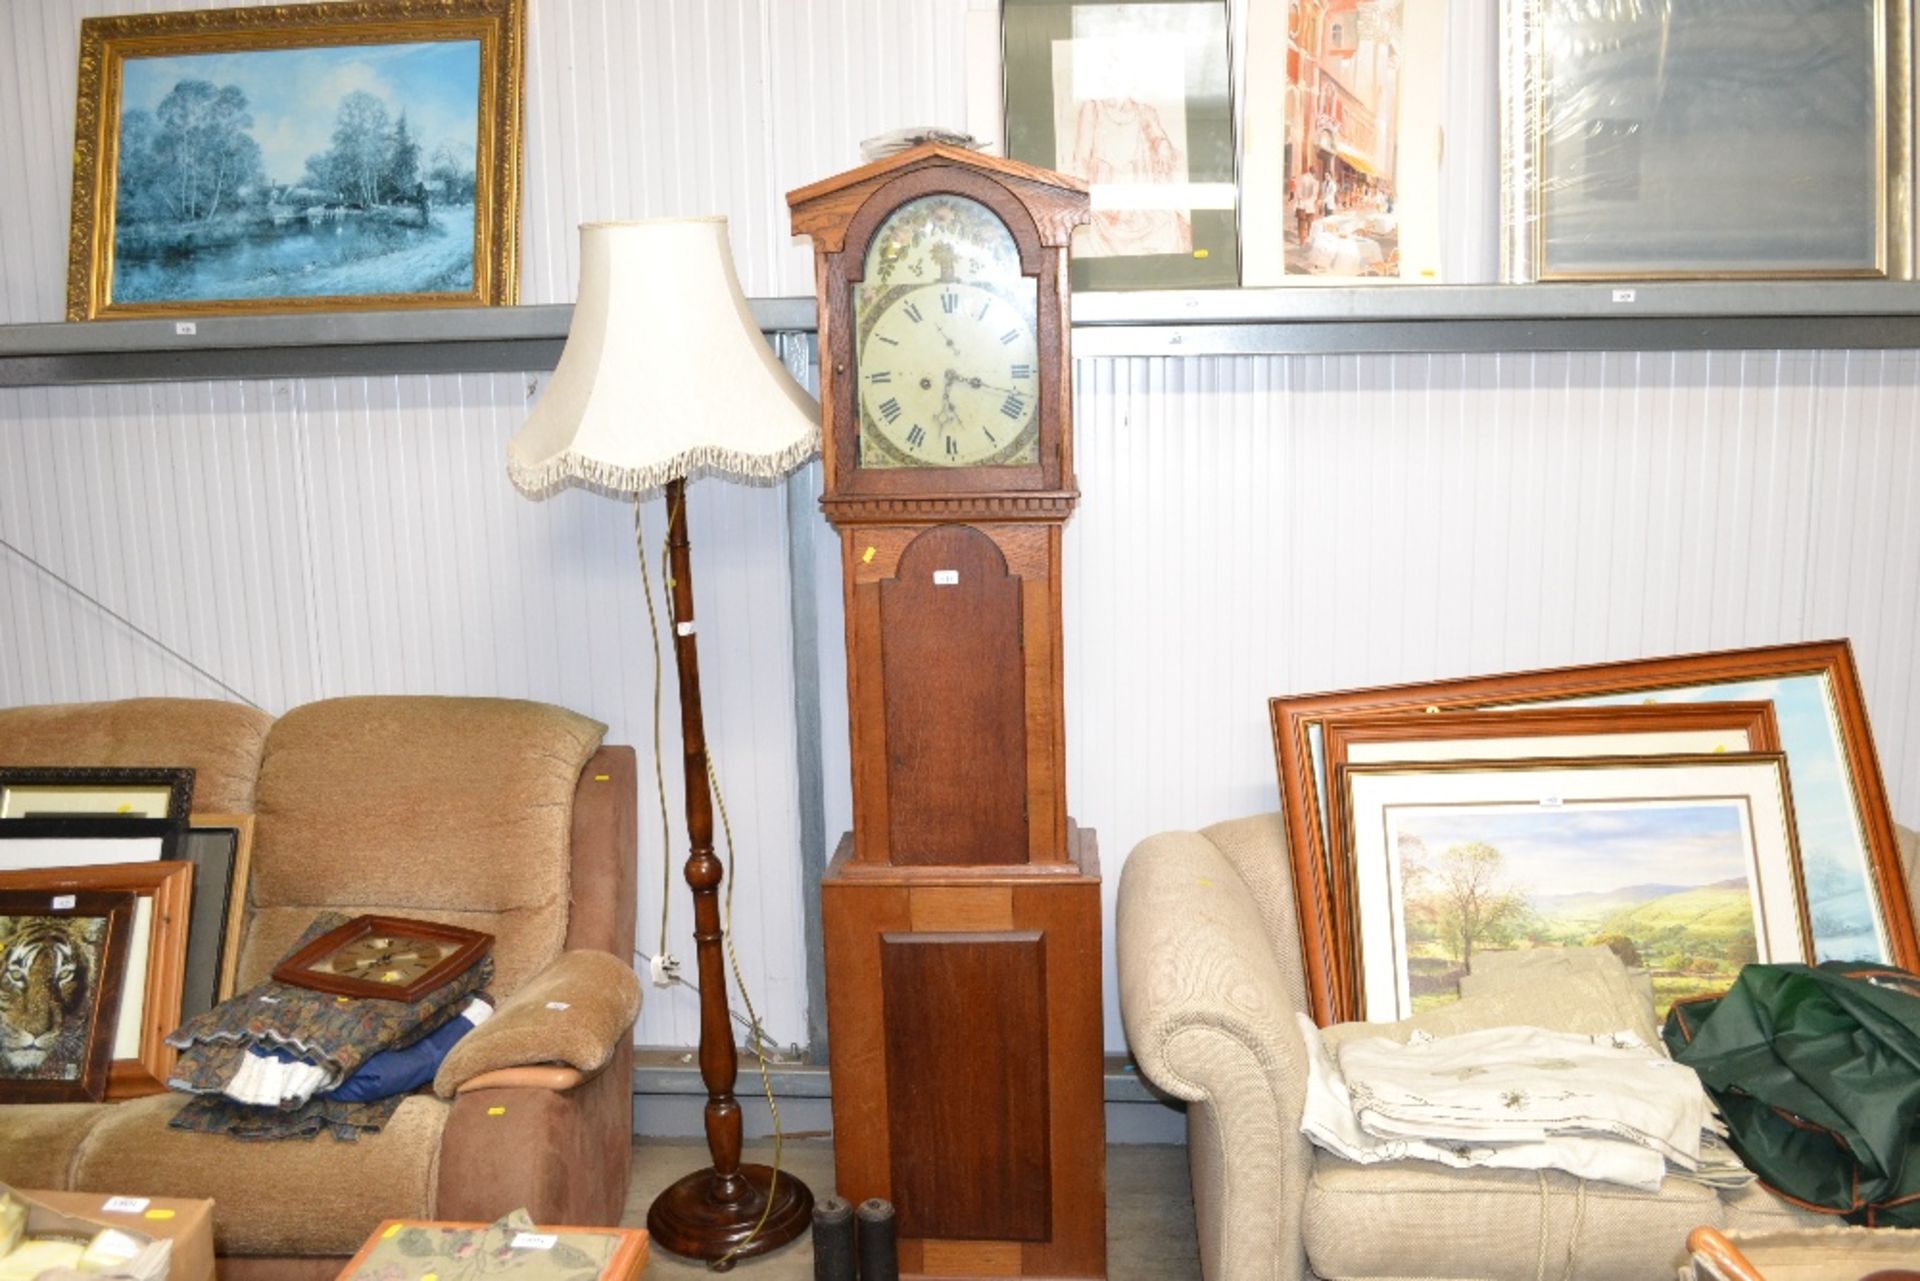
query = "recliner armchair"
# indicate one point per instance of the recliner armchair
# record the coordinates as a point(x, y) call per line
point(496, 814)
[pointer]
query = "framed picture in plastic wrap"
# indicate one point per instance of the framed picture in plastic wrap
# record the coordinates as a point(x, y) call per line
point(1704, 139)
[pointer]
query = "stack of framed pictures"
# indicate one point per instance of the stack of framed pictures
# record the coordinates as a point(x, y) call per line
point(121, 916)
point(1693, 814)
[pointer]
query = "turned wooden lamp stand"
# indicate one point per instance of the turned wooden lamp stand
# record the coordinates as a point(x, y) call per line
point(645, 395)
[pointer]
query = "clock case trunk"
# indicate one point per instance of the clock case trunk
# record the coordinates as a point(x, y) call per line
point(962, 913)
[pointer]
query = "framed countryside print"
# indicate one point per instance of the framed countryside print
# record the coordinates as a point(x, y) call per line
point(1134, 97)
point(152, 978)
point(1650, 730)
point(315, 157)
point(1705, 139)
point(61, 963)
point(1684, 864)
point(1856, 895)
point(32, 792)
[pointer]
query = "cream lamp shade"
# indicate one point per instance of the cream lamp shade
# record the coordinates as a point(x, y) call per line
point(665, 374)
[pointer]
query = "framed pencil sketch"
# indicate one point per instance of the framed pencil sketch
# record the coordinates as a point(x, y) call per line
point(57, 1019)
point(1134, 97)
point(34, 792)
point(1705, 140)
point(314, 157)
point(1857, 897)
point(1684, 864)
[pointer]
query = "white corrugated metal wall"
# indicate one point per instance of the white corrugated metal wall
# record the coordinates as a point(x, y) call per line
point(1251, 525)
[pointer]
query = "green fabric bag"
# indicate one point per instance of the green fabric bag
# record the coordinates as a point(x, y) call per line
point(1816, 1071)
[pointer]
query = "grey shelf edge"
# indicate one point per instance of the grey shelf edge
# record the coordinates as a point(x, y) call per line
point(1439, 319)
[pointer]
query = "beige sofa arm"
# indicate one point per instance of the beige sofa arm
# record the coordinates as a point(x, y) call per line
point(575, 1012)
point(1209, 1013)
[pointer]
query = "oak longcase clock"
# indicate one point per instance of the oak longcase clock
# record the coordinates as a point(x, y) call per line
point(962, 913)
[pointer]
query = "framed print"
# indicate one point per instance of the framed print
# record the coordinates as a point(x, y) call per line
point(1684, 864)
point(226, 839)
point(1648, 730)
point(1704, 139)
point(1341, 181)
point(1850, 857)
point(1134, 97)
point(426, 1249)
point(316, 157)
point(36, 792)
point(155, 966)
point(28, 844)
point(61, 963)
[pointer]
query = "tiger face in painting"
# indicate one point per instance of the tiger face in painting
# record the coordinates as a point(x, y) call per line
point(45, 988)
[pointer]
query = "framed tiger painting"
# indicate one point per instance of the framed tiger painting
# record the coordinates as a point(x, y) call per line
point(63, 958)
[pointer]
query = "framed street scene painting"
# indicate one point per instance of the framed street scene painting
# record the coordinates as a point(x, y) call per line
point(1704, 139)
point(297, 158)
point(1134, 97)
point(1685, 865)
point(1343, 141)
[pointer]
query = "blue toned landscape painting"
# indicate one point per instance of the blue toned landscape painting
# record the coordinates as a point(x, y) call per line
point(297, 173)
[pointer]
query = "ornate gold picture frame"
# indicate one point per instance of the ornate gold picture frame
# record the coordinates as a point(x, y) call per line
point(316, 157)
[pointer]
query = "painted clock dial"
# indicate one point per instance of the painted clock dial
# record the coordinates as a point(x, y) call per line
point(386, 959)
point(946, 354)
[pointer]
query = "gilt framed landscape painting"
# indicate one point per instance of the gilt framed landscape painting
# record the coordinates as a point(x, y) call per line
point(316, 157)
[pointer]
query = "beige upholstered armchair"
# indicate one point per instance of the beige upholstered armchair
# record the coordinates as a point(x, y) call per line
point(504, 816)
point(1210, 981)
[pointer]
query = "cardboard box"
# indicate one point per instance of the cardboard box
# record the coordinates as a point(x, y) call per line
point(187, 1223)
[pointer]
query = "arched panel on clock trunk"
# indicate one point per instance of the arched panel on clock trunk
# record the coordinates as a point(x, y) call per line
point(956, 733)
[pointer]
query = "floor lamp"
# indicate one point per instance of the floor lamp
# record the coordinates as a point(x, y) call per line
point(665, 377)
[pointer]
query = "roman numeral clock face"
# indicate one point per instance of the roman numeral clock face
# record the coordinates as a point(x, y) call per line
point(946, 358)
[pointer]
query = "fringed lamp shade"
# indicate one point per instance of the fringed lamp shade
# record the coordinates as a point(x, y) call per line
point(665, 375)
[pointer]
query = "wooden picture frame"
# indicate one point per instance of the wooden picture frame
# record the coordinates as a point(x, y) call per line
point(34, 793)
point(1687, 864)
point(405, 197)
point(220, 846)
point(1840, 798)
point(468, 946)
point(102, 958)
point(1648, 729)
point(155, 967)
point(421, 1249)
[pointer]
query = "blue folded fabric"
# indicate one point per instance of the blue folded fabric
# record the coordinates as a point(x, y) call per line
point(407, 1068)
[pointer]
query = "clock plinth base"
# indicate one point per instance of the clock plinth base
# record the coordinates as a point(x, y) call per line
point(689, 1221)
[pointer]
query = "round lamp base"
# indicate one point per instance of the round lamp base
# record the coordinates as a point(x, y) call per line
point(688, 1221)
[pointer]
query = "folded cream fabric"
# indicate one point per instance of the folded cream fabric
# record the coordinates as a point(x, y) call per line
point(1606, 1107)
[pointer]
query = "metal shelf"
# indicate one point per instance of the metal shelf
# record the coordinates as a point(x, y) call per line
point(1422, 318)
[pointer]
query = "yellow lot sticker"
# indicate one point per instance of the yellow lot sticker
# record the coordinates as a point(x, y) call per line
point(160, 1214)
point(496, 1111)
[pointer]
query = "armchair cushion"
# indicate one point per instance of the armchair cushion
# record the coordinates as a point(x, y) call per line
point(38, 1142)
point(576, 1011)
point(295, 1197)
point(220, 741)
point(1410, 1218)
point(454, 809)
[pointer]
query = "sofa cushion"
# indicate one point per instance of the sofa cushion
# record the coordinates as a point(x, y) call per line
point(38, 1141)
point(1413, 1219)
point(220, 741)
point(451, 809)
point(293, 1197)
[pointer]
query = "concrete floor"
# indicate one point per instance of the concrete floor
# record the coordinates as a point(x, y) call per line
point(1150, 1234)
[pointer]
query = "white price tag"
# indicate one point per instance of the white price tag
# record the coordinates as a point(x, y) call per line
point(558, 1005)
point(63, 902)
point(1550, 802)
point(946, 578)
point(1623, 295)
point(683, 629)
point(126, 1204)
point(185, 328)
point(534, 1241)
